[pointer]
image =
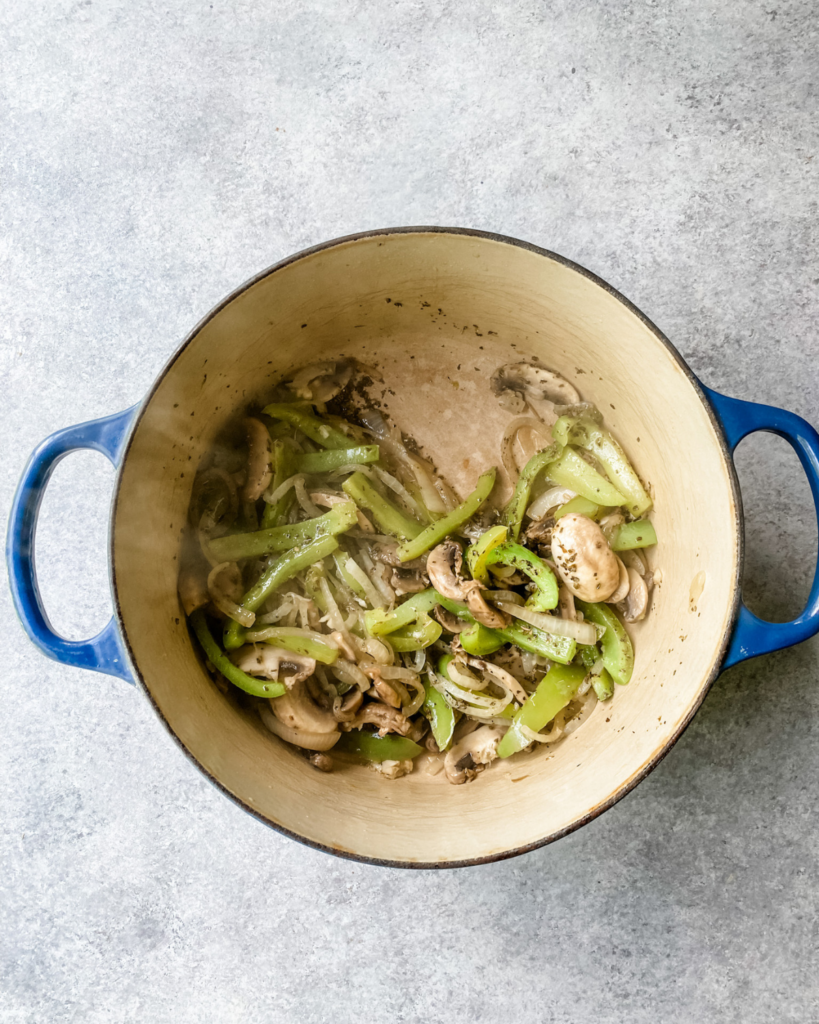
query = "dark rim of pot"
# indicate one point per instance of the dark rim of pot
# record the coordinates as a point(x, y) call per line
point(629, 785)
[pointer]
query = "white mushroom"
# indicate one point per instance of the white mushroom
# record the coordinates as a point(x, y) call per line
point(513, 384)
point(466, 758)
point(297, 710)
point(583, 558)
point(387, 719)
point(443, 568)
point(266, 662)
point(303, 738)
point(394, 769)
point(621, 593)
point(636, 604)
point(322, 381)
point(259, 469)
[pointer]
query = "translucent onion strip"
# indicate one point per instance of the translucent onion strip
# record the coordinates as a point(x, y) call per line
point(582, 632)
point(508, 441)
point(222, 601)
point(551, 498)
point(373, 595)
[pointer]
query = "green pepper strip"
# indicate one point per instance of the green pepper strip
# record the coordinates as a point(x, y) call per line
point(519, 502)
point(313, 427)
point(516, 555)
point(476, 553)
point(435, 533)
point(289, 640)
point(220, 661)
point(578, 506)
point(528, 638)
point(618, 654)
point(325, 462)
point(610, 455)
point(440, 715)
point(603, 685)
point(282, 538)
point(554, 692)
point(380, 622)
point(280, 457)
point(389, 518)
point(479, 640)
point(421, 634)
point(640, 534)
point(370, 747)
point(278, 572)
point(572, 471)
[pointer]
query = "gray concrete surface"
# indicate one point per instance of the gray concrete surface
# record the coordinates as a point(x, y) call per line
point(154, 155)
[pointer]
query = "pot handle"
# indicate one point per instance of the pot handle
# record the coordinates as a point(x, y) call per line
point(105, 652)
point(753, 636)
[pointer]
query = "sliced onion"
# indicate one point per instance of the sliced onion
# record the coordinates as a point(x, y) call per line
point(223, 600)
point(549, 499)
point(348, 672)
point(298, 737)
point(418, 699)
point(502, 678)
point(400, 490)
point(271, 497)
point(375, 598)
point(582, 632)
point(508, 441)
point(463, 677)
point(276, 632)
point(481, 701)
point(303, 499)
point(378, 650)
point(539, 737)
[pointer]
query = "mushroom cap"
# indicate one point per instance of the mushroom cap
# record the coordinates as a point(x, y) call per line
point(635, 605)
point(621, 593)
point(297, 710)
point(266, 662)
point(259, 468)
point(583, 558)
point(514, 383)
point(467, 757)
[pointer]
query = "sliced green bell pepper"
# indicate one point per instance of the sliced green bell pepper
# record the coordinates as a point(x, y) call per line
point(335, 458)
point(579, 506)
point(440, 529)
point(389, 518)
point(282, 538)
point(313, 427)
point(476, 553)
point(618, 654)
point(602, 445)
point(554, 692)
point(380, 622)
point(220, 661)
point(440, 715)
point(523, 560)
point(368, 746)
point(516, 509)
point(277, 573)
point(639, 534)
point(573, 472)
point(280, 457)
point(479, 640)
point(415, 637)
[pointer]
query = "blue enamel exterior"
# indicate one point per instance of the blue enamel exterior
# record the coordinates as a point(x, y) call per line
point(105, 652)
point(753, 636)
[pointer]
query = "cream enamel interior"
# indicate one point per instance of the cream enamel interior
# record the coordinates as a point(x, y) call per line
point(436, 313)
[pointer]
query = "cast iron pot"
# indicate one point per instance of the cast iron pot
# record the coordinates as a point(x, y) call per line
point(437, 309)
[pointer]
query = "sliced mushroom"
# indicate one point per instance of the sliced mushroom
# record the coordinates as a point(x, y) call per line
point(303, 738)
point(394, 769)
point(583, 558)
point(297, 710)
point(323, 762)
point(321, 382)
point(387, 719)
point(267, 663)
point(466, 758)
point(450, 622)
point(407, 581)
point(345, 708)
point(259, 468)
point(565, 603)
point(621, 593)
point(636, 604)
point(513, 384)
point(341, 642)
point(225, 590)
point(443, 568)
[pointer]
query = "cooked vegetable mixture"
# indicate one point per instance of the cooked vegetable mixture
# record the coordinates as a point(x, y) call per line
point(370, 615)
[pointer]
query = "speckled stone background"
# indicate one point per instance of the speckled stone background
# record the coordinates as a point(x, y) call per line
point(154, 155)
